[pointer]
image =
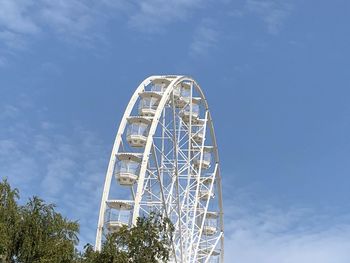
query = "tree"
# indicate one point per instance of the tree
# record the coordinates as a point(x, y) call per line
point(9, 221)
point(45, 235)
point(35, 232)
point(148, 241)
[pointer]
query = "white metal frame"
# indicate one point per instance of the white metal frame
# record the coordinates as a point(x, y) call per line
point(180, 198)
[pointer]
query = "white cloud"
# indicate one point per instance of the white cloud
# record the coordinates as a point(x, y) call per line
point(8, 111)
point(83, 23)
point(205, 37)
point(81, 20)
point(15, 15)
point(68, 20)
point(294, 235)
point(13, 40)
point(3, 61)
point(273, 12)
point(67, 170)
point(155, 15)
point(72, 20)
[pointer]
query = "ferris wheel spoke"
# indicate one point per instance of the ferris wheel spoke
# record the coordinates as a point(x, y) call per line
point(176, 175)
point(167, 131)
point(165, 206)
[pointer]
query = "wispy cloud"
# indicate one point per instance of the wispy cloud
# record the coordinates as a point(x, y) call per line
point(291, 235)
point(272, 12)
point(13, 40)
point(79, 19)
point(21, 22)
point(155, 15)
point(3, 62)
point(8, 111)
point(68, 170)
point(205, 37)
point(83, 23)
point(72, 20)
point(15, 16)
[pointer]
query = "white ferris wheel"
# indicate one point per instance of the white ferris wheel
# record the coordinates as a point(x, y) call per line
point(165, 160)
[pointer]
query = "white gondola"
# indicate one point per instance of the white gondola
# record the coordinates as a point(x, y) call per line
point(206, 180)
point(204, 195)
point(206, 160)
point(118, 215)
point(191, 110)
point(126, 171)
point(182, 94)
point(198, 131)
point(210, 225)
point(214, 258)
point(149, 103)
point(114, 226)
point(214, 255)
point(137, 132)
point(159, 85)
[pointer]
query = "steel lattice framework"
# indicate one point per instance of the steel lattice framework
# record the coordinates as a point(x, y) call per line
point(165, 159)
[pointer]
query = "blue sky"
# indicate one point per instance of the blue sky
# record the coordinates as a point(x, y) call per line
point(276, 75)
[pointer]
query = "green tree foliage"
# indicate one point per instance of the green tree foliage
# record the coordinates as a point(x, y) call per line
point(9, 221)
point(36, 233)
point(148, 241)
point(45, 235)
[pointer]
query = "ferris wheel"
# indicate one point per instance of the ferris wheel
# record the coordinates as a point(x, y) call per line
point(165, 160)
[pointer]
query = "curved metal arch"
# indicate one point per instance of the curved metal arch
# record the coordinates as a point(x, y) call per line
point(112, 160)
point(216, 155)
